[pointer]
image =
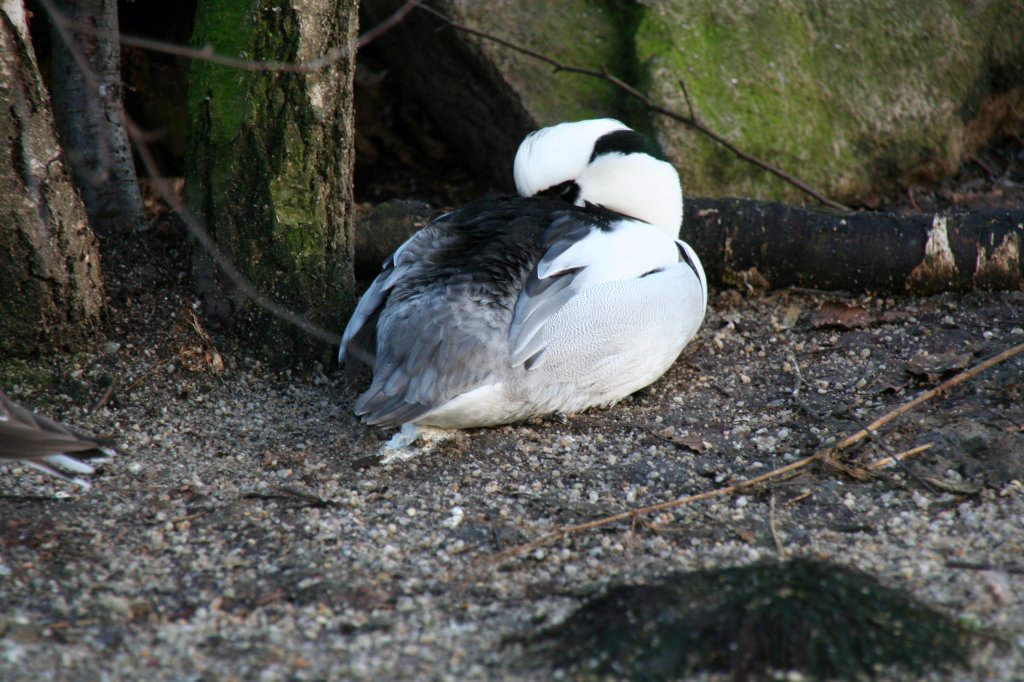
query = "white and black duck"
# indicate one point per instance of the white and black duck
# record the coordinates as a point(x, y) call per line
point(48, 445)
point(572, 295)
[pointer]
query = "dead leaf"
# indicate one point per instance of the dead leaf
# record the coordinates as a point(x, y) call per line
point(840, 315)
point(694, 443)
point(934, 367)
point(194, 348)
point(789, 317)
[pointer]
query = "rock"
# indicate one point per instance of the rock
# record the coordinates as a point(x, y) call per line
point(857, 99)
point(486, 97)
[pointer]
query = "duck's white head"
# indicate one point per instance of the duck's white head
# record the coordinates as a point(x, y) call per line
point(602, 162)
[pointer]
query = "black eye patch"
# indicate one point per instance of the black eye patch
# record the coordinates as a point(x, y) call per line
point(626, 142)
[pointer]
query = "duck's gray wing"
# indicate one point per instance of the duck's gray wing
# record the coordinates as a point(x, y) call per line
point(582, 249)
point(46, 444)
point(440, 312)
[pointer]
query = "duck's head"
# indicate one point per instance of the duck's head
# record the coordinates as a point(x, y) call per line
point(602, 162)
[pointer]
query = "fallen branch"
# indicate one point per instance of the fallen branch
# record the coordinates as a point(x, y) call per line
point(824, 454)
point(775, 245)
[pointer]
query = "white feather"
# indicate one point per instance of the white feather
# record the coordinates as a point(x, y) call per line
point(551, 156)
point(629, 249)
point(606, 311)
point(636, 185)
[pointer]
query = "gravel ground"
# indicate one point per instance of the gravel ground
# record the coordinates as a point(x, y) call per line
point(249, 531)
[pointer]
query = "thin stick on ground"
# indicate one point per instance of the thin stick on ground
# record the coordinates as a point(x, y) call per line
point(966, 375)
point(823, 454)
point(893, 455)
point(773, 526)
point(985, 566)
point(898, 457)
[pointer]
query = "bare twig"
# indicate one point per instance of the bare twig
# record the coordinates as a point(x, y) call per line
point(207, 53)
point(893, 455)
point(632, 514)
point(689, 104)
point(107, 393)
point(967, 374)
point(689, 121)
point(798, 381)
point(779, 547)
point(899, 456)
point(985, 566)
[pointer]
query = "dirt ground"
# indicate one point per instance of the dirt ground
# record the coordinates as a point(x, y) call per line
point(250, 532)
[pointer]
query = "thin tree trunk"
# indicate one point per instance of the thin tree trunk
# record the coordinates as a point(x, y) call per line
point(269, 171)
point(89, 111)
point(51, 291)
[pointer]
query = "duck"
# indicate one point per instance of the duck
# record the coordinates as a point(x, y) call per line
point(48, 445)
point(572, 294)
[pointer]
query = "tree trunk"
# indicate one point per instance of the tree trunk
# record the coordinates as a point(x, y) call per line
point(51, 289)
point(270, 166)
point(90, 117)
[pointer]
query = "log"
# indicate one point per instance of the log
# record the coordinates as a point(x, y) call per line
point(775, 245)
point(772, 245)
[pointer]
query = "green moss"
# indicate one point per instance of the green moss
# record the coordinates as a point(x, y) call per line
point(18, 373)
point(833, 92)
point(228, 29)
point(587, 33)
point(268, 174)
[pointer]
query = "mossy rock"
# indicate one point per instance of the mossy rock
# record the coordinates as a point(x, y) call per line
point(485, 97)
point(855, 98)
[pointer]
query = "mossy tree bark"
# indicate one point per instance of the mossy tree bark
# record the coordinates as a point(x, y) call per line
point(269, 170)
point(51, 291)
point(89, 111)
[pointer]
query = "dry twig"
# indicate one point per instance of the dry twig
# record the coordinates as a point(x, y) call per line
point(899, 456)
point(967, 374)
point(207, 53)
